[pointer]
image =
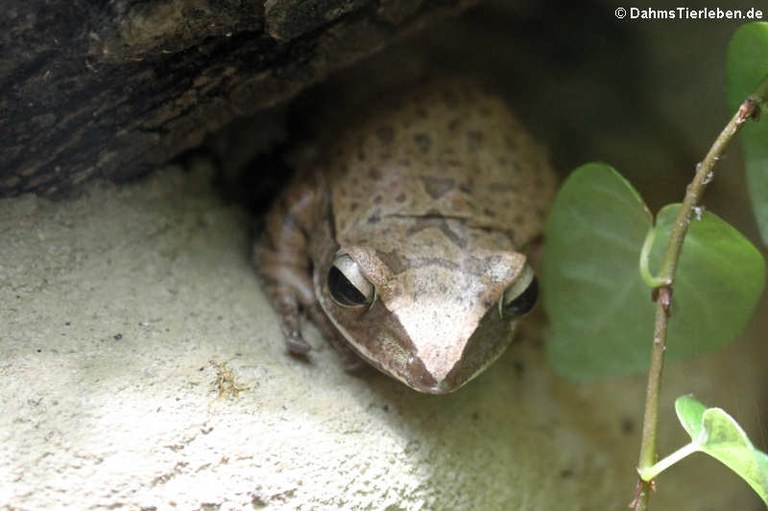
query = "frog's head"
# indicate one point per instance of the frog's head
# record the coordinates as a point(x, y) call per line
point(432, 323)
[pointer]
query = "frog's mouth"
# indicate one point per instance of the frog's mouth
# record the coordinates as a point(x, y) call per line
point(429, 360)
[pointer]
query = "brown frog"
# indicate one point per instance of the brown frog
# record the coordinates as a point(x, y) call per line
point(403, 240)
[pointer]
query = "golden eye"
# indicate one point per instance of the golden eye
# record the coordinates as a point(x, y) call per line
point(521, 296)
point(347, 285)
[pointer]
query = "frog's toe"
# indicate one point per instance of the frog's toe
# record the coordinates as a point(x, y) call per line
point(296, 344)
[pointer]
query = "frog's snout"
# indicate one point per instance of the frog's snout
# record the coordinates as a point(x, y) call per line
point(450, 353)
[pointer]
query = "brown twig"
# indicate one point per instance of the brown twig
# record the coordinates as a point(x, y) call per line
point(749, 109)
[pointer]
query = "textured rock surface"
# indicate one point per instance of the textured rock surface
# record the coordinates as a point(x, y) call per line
point(119, 309)
point(115, 88)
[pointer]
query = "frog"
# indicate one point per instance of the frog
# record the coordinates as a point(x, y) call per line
point(407, 238)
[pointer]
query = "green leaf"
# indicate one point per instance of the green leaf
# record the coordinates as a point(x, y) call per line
point(717, 434)
point(747, 66)
point(600, 311)
point(719, 281)
point(601, 315)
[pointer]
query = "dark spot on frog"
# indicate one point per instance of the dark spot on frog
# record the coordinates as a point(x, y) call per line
point(474, 140)
point(374, 218)
point(449, 158)
point(353, 206)
point(423, 141)
point(627, 425)
point(502, 161)
point(489, 212)
point(501, 187)
point(400, 198)
point(566, 473)
point(393, 261)
point(117, 337)
point(519, 368)
point(436, 187)
point(385, 408)
point(434, 219)
point(386, 134)
point(475, 416)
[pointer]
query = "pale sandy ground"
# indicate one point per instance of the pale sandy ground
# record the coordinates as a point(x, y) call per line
point(117, 307)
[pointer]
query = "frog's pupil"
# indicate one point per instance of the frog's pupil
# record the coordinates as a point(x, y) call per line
point(527, 299)
point(343, 290)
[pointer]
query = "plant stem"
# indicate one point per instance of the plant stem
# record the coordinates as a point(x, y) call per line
point(749, 109)
point(670, 460)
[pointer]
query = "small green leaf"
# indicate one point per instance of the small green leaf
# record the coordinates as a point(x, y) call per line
point(717, 434)
point(600, 310)
point(747, 66)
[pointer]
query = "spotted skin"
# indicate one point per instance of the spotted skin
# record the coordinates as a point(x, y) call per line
point(435, 196)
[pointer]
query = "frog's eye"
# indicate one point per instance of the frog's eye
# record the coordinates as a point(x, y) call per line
point(520, 297)
point(348, 286)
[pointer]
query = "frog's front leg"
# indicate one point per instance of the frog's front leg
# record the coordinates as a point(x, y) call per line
point(284, 261)
point(282, 258)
